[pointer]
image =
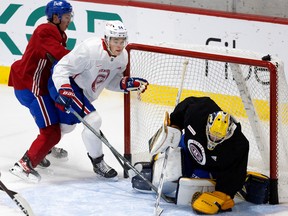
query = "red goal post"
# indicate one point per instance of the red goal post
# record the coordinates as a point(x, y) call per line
point(251, 89)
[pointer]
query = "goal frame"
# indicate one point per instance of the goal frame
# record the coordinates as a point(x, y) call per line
point(273, 199)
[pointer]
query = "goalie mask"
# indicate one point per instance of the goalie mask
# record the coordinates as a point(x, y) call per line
point(220, 126)
point(114, 29)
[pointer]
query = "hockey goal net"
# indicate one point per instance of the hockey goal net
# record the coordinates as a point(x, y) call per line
point(253, 90)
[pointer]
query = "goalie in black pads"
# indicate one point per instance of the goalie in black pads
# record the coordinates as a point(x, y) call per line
point(212, 146)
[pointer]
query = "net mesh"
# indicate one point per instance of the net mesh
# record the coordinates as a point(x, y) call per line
point(206, 77)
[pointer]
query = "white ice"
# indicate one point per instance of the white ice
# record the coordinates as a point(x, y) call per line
point(70, 188)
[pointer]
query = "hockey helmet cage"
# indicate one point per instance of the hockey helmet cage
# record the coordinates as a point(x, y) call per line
point(220, 126)
point(57, 7)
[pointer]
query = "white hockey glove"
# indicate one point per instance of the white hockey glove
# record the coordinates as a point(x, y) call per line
point(133, 84)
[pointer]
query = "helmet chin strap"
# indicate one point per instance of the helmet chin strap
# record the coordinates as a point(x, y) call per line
point(57, 25)
point(108, 47)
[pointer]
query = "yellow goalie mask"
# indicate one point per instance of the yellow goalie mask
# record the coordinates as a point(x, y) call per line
point(220, 126)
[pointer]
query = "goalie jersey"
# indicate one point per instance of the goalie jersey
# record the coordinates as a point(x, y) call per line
point(227, 162)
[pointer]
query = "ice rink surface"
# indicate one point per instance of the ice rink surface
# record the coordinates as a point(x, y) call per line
point(70, 188)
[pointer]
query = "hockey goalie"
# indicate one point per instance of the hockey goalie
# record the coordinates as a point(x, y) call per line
point(207, 164)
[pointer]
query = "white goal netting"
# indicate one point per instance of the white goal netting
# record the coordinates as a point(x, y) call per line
point(255, 92)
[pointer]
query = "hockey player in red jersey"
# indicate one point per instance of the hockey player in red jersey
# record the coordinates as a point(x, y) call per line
point(79, 78)
point(29, 77)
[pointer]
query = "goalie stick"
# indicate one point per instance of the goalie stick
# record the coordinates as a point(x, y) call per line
point(158, 210)
point(118, 155)
point(19, 200)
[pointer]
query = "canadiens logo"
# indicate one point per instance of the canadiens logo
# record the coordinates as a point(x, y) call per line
point(103, 74)
point(197, 151)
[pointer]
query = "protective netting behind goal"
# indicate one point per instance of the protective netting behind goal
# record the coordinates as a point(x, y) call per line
point(254, 91)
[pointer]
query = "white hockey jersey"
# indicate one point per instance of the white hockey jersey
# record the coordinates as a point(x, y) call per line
point(92, 68)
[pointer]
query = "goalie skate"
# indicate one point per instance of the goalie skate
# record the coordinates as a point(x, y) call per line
point(102, 169)
point(23, 169)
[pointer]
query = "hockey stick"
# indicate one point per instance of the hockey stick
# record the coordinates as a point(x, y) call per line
point(19, 200)
point(117, 154)
point(118, 159)
point(127, 172)
point(158, 210)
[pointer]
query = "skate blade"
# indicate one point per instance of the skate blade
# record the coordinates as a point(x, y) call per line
point(113, 179)
point(17, 171)
point(51, 157)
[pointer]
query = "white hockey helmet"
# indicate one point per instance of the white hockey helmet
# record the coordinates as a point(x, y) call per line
point(220, 126)
point(115, 29)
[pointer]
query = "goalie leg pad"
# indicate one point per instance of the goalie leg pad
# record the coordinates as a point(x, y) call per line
point(189, 186)
point(213, 202)
point(172, 172)
point(255, 188)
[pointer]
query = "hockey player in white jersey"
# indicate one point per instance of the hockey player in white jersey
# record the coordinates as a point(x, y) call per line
point(79, 78)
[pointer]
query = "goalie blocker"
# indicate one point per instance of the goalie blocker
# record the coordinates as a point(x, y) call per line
point(166, 136)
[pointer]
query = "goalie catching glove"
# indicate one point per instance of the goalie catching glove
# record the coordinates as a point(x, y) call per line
point(165, 137)
point(65, 97)
point(211, 202)
point(133, 84)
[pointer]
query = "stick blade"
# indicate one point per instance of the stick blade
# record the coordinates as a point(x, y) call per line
point(23, 205)
point(158, 211)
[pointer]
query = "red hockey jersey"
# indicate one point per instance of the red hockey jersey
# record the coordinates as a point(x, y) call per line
point(32, 71)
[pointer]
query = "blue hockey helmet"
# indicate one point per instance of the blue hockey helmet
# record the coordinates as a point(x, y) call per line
point(57, 7)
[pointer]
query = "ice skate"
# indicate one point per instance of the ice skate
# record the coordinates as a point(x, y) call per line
point(44, 163)
point(102, 169)
point(58, 153)
point(24, 170)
